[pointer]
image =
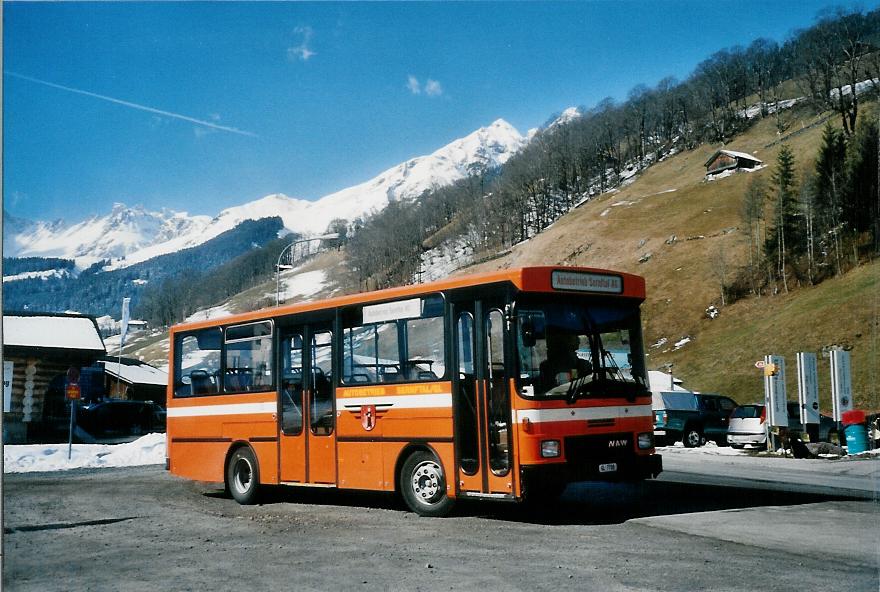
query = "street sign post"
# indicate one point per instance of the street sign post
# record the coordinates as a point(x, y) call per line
point(808, 388)
point(774, 391)
point(774, 396)
point(72, 394)
point(808, 394)
point(841, 383)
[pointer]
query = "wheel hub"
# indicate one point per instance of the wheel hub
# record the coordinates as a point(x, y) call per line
point(426, 480)
point(243, 475)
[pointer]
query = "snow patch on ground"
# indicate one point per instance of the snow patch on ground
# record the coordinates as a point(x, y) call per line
point(37, 275)
point(712, 449)
point(30, 458)
point(861, 87)
point(755, 110)
point(681, 343)
point(215, 312)
point(302, 286)
point(441, 261)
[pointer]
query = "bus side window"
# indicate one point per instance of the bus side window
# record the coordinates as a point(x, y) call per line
point(248, 357)
point(197, 363)
point(425, 349)
point(401, 341)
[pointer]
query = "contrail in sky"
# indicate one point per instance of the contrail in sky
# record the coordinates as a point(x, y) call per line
point(201, 122)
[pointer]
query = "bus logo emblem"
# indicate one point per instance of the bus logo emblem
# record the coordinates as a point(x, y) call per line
point(368, 416)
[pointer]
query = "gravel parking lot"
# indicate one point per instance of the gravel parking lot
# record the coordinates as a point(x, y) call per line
point(142, 529)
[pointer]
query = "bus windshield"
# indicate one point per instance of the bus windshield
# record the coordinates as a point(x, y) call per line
point(574, 350)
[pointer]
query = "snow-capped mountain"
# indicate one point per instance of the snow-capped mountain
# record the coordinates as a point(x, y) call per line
point(122, 231)
point(565, 117)
point(131, 235)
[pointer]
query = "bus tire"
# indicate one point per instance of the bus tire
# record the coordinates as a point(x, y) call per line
point(423, 485)
point(243, 476)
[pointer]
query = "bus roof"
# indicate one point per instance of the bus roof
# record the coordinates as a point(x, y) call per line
point(549, 279)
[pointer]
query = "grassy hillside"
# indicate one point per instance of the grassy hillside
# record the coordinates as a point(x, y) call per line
point(632, 230)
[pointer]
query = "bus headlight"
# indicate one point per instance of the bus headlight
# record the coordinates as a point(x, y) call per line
point(646, 440)
point(549, 448)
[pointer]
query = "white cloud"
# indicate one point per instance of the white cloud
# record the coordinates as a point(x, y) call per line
point(302, 51)
point(412, 84)
point(433, 88)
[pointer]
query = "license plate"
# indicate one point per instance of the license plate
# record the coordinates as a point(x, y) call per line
point(608, 468)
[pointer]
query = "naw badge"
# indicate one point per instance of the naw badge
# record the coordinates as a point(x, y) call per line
point(368, 416)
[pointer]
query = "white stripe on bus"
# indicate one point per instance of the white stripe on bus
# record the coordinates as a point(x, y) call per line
point(400, 402)
point(583, 413)
point(228, 409)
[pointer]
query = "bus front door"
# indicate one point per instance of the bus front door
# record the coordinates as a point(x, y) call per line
point(307, 447)
point(482, 402)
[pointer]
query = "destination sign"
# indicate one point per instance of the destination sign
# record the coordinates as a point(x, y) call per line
point(392, 311)
point(586, 282)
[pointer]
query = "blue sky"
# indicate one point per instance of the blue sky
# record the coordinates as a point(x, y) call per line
point(201, 106)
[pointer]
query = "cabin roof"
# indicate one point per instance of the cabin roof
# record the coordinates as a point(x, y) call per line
point(64, 331)
point(734, 154)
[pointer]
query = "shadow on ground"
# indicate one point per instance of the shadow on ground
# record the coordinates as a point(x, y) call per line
point(582, 503)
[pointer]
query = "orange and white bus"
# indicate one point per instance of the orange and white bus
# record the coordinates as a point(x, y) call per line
point(504, 386)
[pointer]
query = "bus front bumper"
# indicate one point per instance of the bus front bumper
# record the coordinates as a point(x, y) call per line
point(631, 468)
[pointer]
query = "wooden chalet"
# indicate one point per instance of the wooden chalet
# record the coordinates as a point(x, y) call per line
point(127, 378)
point(724, 160)
point(38, 351)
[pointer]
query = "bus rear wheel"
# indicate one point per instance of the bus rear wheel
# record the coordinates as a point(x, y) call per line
point(423, 485)
point(243, 476)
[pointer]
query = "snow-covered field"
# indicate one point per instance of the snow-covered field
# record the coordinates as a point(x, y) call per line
point(29, 458)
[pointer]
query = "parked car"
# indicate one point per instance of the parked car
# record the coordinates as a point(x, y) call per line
point(748, 426)
point(120, 418)
point(692, 418)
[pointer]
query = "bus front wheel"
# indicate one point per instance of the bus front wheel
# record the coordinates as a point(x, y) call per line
point(423, 485)
point(243, 476)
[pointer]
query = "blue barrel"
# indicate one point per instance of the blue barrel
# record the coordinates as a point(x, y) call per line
point(856, 438)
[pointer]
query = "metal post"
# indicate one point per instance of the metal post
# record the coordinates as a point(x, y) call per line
point(72, 424)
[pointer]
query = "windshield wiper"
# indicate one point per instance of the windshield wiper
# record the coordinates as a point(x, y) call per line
point(573, 388)
point(616, 371)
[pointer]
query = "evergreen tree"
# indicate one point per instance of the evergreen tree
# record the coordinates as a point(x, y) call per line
point(859, 207)
point(828, 186)
point(784, 240)
point(752, 214)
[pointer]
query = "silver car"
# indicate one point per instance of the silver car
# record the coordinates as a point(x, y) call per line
point(748, 426)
